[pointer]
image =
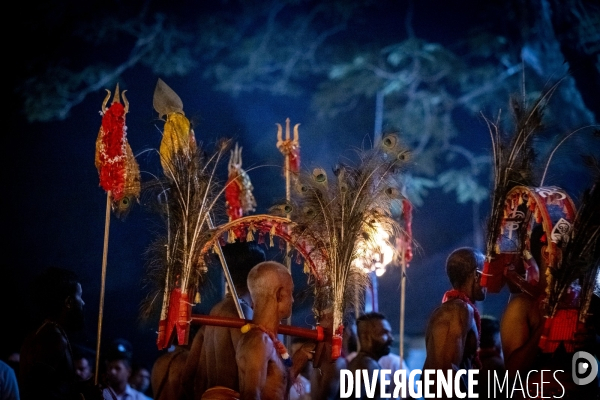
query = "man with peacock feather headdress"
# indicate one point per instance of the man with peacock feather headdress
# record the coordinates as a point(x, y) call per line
point(548, 254)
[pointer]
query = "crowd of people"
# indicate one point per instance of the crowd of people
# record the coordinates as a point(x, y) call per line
point(253, 362)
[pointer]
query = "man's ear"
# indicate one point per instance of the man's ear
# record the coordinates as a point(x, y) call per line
point(278, 294)
point(69, 302)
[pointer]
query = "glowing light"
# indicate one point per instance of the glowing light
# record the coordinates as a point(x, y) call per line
point(375, 252)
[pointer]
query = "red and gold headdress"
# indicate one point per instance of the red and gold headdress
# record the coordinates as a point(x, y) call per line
point(512, 163)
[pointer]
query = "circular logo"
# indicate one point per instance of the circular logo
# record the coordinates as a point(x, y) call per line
point(584, 368)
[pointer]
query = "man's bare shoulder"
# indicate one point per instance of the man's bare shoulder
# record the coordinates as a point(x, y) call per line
point(451, 309)
point(520, 300)
point(225, 308)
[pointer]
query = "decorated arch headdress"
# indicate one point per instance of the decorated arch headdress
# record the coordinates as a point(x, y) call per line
point(524, 217)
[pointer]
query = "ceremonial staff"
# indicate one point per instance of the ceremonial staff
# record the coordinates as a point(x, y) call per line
point(290, 148)
point(119, 176)
point(404, 244)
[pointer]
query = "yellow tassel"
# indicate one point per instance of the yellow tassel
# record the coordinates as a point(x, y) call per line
point(231, 236)
point(215, 248)
point(306, 269)
point(197, 299)
point(271, 234)
point(250, 235)
point(246, 328)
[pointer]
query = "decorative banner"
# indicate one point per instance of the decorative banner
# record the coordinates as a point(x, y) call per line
point(117, 168)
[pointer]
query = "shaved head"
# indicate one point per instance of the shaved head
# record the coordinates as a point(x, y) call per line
point(263, 277)
point(270, 282)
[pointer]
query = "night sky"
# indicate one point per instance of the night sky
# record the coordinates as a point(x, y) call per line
point(54, 207)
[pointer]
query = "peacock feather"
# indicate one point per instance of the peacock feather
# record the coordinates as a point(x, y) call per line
point(513, 158)
point(184, 196)
point(344, 216)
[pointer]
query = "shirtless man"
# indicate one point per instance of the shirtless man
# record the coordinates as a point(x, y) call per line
point(523, 322)
point(263, 361)
point(211, 359)
point(521, 328)
point(375, 340)
point(452, 333)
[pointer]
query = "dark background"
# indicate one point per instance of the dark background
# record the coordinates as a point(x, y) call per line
point(54, 208)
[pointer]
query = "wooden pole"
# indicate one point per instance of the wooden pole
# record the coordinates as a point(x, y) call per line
point(228, 322)
point(102, 284)
point(288, 261)
point(226, 273)
point(402, 307)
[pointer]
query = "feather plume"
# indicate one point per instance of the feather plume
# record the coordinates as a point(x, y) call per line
point(342, 216)
point(184, 197)
point(581, 254)
point(513, 158)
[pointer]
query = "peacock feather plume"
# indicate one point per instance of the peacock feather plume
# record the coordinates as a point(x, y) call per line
point(184, 196)
point(348, 219)
point(513, 157)
point(581, 254)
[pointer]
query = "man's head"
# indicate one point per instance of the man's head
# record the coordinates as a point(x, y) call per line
point(241, 257)
point(118, 371)
point(140, 378)
point(58, 293)
point(463, 267)
point(270, 281)
point(374, 334)
point(83, 366)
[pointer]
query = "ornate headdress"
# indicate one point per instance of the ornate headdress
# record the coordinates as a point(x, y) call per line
point(513, 158)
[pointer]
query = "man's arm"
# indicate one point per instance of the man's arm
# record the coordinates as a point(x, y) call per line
point(325, 381)
point(253, 354)
point(519, 336)
point(446, 336)
point(300, 358)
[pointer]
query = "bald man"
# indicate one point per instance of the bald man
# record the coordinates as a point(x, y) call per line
point(264, 366)
point(452, 335)
point(211, 361)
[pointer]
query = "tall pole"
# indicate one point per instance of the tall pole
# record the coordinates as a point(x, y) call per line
point(102, 284)
point(286, 147)
point(287, 257)
point(402, 306)
point(226, 273)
